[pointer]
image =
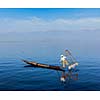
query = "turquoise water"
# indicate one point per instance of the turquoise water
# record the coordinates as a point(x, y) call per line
point(47, 50)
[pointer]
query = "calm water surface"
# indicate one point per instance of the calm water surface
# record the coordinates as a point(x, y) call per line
point(14, 76)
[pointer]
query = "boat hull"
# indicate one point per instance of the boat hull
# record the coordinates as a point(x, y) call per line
point(34, 64)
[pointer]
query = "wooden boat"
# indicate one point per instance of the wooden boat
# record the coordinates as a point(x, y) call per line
point(34, 64)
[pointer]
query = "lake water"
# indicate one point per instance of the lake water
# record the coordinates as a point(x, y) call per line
point(14, 76)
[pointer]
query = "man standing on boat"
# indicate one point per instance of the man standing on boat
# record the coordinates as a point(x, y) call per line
point(63, 61)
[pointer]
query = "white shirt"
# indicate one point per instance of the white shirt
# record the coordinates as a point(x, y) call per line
point(63, 58)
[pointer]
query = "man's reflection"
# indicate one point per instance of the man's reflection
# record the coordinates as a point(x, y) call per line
point(69, 75)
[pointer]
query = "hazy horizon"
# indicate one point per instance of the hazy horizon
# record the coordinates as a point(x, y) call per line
point(70, 27)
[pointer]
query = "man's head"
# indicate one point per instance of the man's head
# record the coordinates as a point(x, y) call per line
point(62, 55)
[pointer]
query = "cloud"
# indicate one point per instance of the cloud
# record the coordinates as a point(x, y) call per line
point(36, 24)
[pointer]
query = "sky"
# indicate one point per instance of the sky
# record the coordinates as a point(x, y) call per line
point(73, 28)
point(37, 20)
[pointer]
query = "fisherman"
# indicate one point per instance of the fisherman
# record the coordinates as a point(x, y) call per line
point(63, 61)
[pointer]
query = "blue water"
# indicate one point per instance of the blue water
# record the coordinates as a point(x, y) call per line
point(14, 76)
